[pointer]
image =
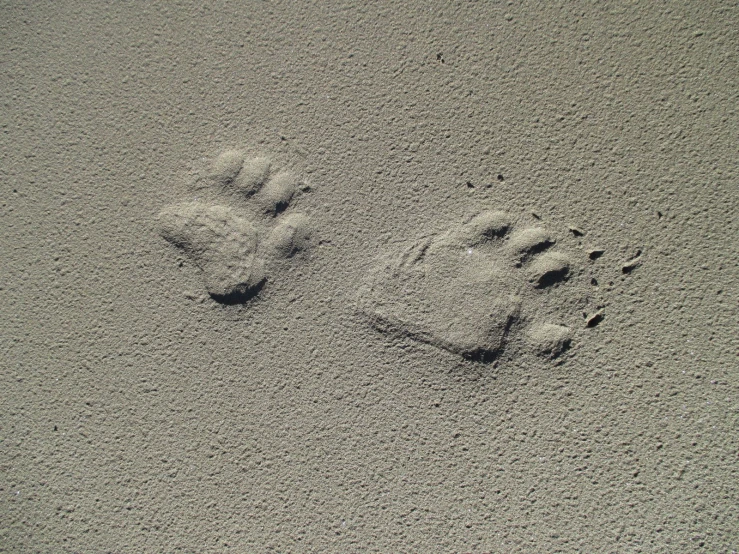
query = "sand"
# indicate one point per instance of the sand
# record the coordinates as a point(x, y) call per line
point(397, 277)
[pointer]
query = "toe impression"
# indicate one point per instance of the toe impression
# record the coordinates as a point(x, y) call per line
point(549, 340)
point(232, 169)
point(548, 269)
point(252, 176)
point(226, 167)
point(278, 191)
point(291, 236)
point(530, 241)
point(484, 227)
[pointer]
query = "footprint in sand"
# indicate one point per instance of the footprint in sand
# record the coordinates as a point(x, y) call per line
point(477, 290)
point(239, 242)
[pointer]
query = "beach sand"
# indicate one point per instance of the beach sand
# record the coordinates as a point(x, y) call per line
point(383, 277)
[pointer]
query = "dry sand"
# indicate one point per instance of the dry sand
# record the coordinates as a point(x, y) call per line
point(344, 399)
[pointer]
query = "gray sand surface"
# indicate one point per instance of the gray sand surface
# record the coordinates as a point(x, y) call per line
point(318, 400)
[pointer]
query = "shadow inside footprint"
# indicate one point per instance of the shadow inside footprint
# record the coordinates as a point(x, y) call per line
point(471, 290)
point(237, 297)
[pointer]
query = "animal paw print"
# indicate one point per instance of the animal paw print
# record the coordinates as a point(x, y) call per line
point(238, 247)
point(476, 290)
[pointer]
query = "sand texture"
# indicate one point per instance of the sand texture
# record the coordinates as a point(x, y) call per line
point(338, 277)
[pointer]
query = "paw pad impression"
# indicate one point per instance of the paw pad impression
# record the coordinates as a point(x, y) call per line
point(476, 290)
point(238, 240)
